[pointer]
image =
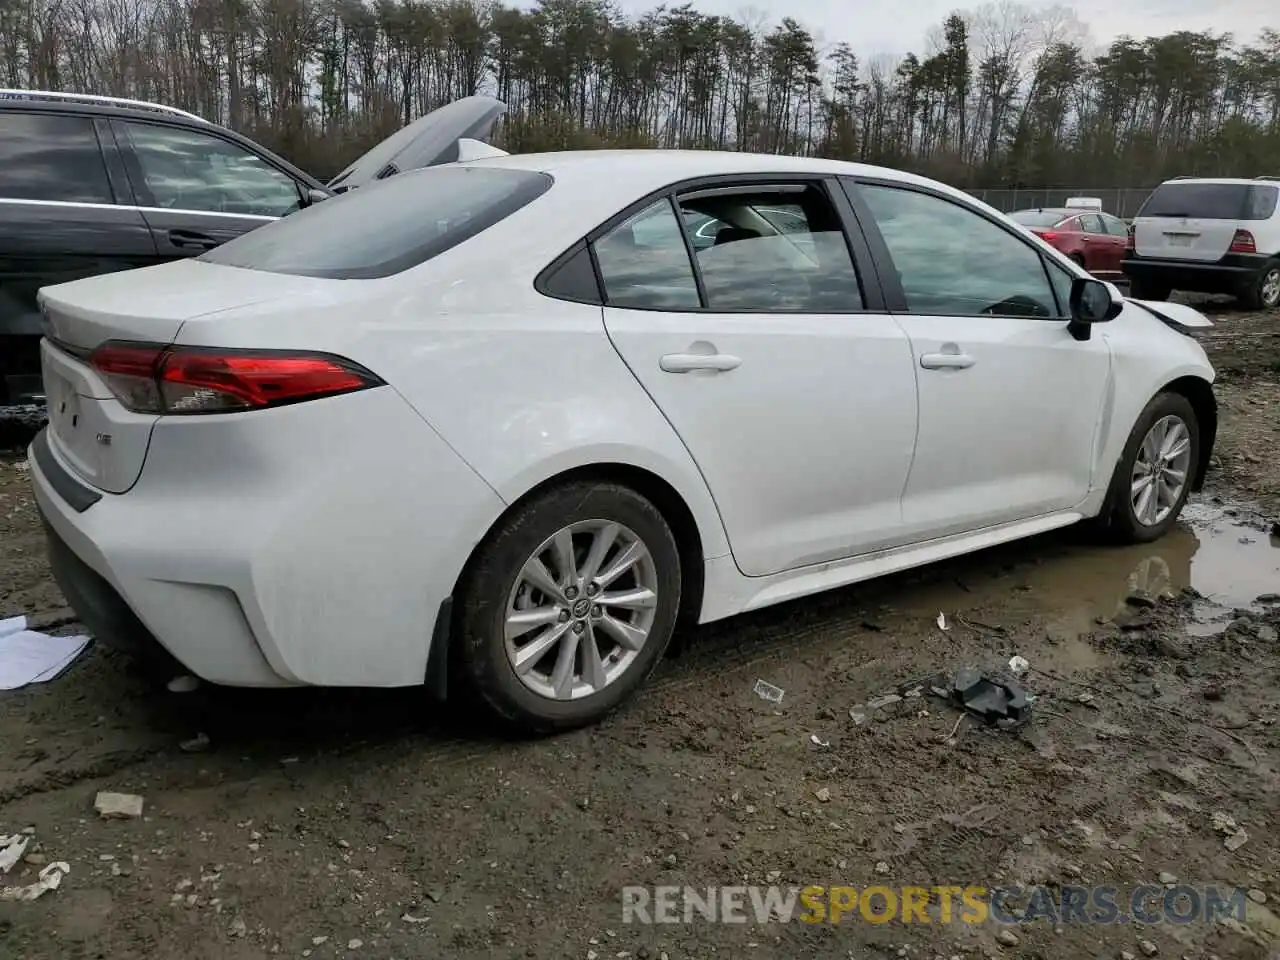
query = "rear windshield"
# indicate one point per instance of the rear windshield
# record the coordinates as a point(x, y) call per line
point(1037, 218)
point(385, 227)
point(1211, 201)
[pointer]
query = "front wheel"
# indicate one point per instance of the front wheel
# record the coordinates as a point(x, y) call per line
point(1153, 477)
point(569, 605)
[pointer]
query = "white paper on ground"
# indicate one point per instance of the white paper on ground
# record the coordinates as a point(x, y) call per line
point(30, 657)
point(12, 625)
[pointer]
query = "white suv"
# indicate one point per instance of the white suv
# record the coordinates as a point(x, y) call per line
point(1209, 235)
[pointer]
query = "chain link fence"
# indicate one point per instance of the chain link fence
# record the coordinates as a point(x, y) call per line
point(1118, 201)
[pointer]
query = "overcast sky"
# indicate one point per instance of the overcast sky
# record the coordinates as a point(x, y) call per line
point(897, 27)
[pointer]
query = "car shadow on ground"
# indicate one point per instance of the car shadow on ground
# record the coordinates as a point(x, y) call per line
point(285, 723)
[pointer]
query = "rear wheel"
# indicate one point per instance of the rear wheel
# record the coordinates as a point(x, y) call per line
point(1265, 292)
point(1153, 477)
point(1079, 259)
point(569, 606)
point(1147, 290)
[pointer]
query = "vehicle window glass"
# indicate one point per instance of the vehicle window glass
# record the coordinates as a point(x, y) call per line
point(644, 263)
point(1199, 201)
point(187, 170)
point(776, 251)
point(1262, 202)
point(48, 157)
point(1037, 218)
point(952, 261)
point(1115, 226)
point(387, 226)
point(1062, 282)
point(1090, 223)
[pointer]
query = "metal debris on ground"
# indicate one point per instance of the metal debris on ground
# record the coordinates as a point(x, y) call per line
point(767, 691)
point(1018, 666)
point(942, 621)
point(48, 879)
point(817, 741)
point(875, 703)
point(1005, 705)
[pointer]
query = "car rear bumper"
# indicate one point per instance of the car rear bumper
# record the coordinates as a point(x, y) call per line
point(1228, 275)
point(279, 548)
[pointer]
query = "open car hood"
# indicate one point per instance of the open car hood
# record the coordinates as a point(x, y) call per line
point(431, 139)
point(1174, 314)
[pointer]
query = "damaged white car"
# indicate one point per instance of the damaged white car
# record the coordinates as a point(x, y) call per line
point(505, 423)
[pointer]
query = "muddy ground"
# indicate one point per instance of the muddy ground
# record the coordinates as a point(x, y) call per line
point(353, 824)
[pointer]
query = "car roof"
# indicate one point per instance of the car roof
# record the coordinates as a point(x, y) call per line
point(645, 171)
point(119, 108)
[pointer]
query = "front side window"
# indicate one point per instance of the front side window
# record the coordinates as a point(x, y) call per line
point(644, 263)
point(51, 157)
point(775, 251)
point(385, 227)
point(188, 170)
point(954, 262)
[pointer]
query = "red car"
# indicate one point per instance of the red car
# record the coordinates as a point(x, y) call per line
point(1096, 241)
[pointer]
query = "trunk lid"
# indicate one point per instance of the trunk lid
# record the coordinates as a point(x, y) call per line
point(429, 140)
point(151, 304)
point(1191, 220)
point(95, 436)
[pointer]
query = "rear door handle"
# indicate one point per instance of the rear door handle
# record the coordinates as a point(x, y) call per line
point(190, 238)
point(688, 362)
point(946, 361)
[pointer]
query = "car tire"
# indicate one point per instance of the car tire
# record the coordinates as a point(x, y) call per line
point(1171, 413)
point(544, 697)
point(1265, 292)
point(1079, 260)
point(1146, 290)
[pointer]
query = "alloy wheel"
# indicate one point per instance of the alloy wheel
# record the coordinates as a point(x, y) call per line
point(1160, 470)
point(1270, 291)
point(581, 610)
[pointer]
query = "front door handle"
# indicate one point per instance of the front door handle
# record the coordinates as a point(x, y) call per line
point(190, 238)
point(688, 362)
point(946, 361)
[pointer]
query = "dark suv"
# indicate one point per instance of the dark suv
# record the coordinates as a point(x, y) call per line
point(94, 184)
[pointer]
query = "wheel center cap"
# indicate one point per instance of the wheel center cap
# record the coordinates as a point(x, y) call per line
point(581, 608)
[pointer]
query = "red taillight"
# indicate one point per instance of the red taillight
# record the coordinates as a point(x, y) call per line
point(1242, 242)
point(1047, 235)
point(149, 378)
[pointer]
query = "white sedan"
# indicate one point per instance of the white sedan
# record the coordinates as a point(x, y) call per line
point(502, 422)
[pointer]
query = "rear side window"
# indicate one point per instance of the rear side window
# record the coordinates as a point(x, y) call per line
point(644, 263)
point(51, 157)
point(1262, 202)
point(385, 227)
point(1200, 201)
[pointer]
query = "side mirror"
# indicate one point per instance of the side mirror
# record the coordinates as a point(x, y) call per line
point(315, 196)
point(1092, 301)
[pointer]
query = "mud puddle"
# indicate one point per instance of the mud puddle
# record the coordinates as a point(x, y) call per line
point(1071, 588)
point(1229, 563)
